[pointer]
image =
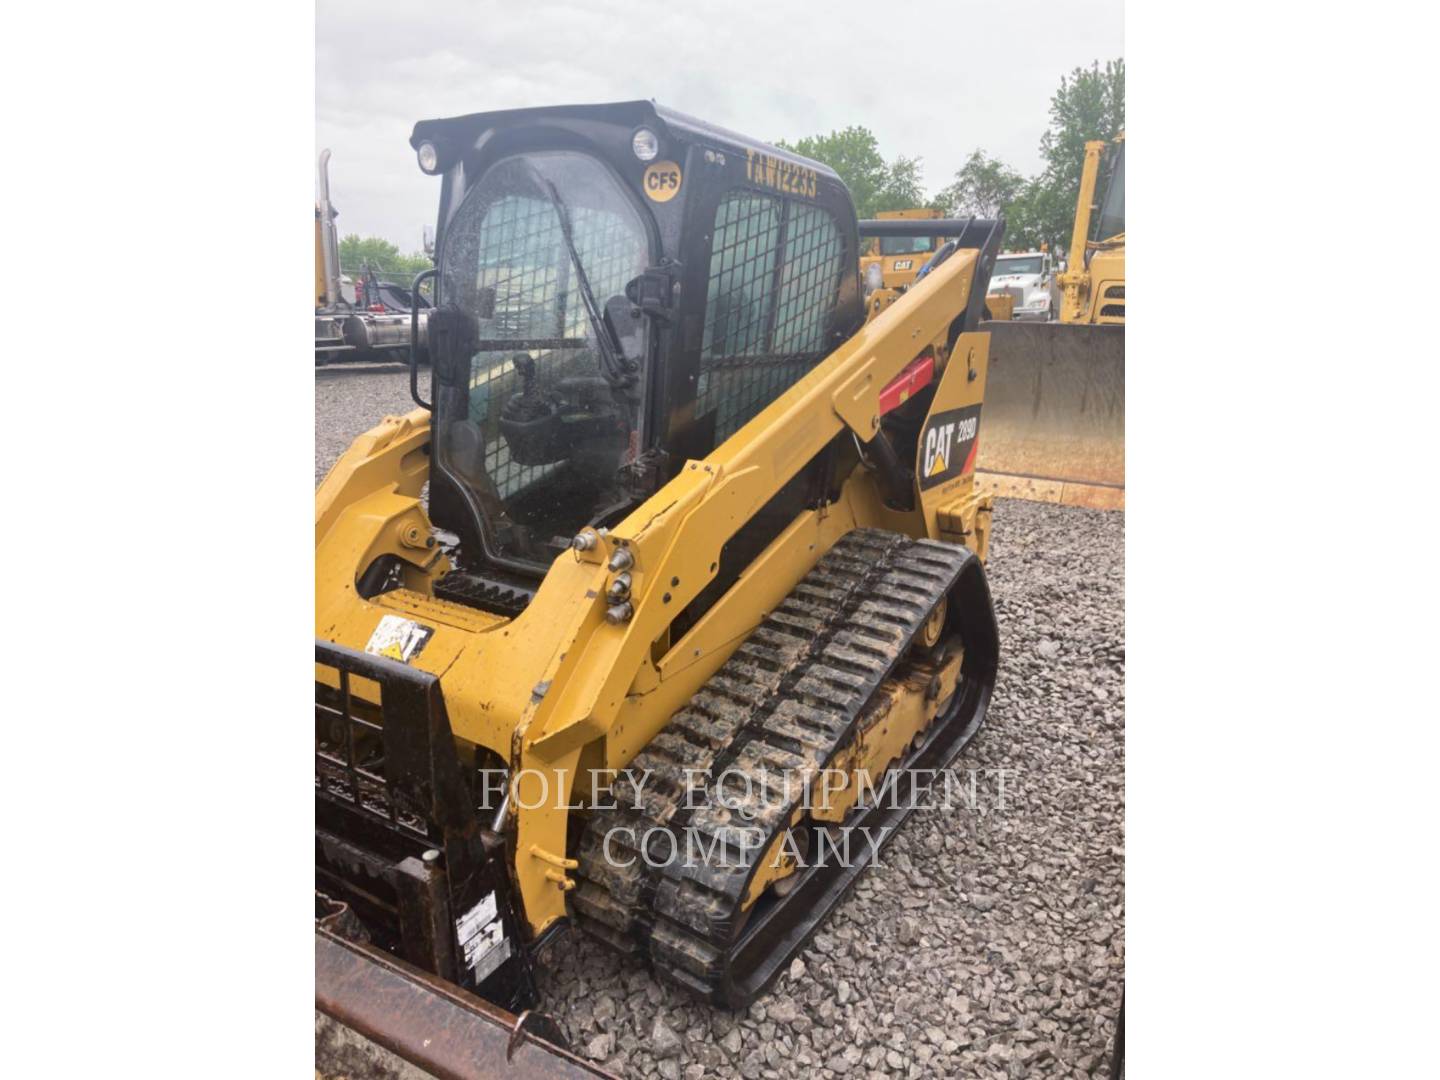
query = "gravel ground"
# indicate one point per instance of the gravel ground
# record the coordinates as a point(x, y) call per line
point(351, 399)
point(990, 941)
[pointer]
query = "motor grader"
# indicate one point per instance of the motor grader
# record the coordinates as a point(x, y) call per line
point(671, 584)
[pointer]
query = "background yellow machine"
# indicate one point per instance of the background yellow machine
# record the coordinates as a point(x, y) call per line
point(1055, 407)
point(690, 513)
point(898, 259)
point(1093, 284)
point(1000, 306)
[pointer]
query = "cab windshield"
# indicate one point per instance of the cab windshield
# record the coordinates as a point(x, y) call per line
point(1111, 221)
point(1030, 265)
point(905, 245)
point(535, 259)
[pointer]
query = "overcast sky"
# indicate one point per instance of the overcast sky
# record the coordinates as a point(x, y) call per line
point(936, 81)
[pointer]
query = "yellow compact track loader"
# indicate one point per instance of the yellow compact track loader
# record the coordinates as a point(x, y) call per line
point(1055, 407)
point(662, 608)
point(897, 259)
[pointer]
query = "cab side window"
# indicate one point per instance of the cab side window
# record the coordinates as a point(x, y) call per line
point(775, 268)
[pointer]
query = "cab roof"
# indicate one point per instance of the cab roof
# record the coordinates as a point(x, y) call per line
point(458, 131)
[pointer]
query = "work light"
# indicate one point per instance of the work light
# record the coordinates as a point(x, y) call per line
point(645, 144)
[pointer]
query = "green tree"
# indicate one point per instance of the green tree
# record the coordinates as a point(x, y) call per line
point(984, 187)
point(356, 251)
point(1090, 104)
point(1039, 214)
point(874, 183)
point(903, 189)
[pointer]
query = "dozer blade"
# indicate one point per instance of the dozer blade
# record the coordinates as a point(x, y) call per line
point(375, 1008)
point(1053, 426)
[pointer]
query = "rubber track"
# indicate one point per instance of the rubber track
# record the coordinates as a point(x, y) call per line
point(787, 699)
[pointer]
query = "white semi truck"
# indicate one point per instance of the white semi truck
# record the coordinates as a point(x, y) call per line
point(1028, 276)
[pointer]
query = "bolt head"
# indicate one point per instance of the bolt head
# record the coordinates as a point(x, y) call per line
point(620, 587)
point(584, 541)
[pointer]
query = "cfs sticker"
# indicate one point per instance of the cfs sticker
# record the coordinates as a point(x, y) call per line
point(948, 444)
point(398, 639)
point(482, 938)
point(662, 180)
point(904, 264)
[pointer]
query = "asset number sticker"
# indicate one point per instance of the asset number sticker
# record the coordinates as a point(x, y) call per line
point(662, 181)
point(482, 938)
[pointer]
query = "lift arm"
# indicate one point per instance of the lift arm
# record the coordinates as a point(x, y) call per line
point(670, 548)
point(1076, 280)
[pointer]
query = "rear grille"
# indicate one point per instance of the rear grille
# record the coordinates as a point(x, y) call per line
point(1113, 311)
point(503, 596)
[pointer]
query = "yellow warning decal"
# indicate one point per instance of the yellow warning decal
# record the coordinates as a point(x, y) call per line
point(662, 180)
point(398, 639)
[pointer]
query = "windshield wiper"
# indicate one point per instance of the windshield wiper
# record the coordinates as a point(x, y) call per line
point(619, 370)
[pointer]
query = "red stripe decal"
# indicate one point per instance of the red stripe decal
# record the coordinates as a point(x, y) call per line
point(918, 374)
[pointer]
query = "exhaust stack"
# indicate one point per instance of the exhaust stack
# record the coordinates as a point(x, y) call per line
point(330, 246)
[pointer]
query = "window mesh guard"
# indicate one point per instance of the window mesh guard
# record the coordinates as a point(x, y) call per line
point(774, 270)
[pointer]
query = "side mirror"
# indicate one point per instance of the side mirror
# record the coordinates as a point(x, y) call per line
point(623, 319)
point(653, 292)
point(485, 302)
point(427, 240)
